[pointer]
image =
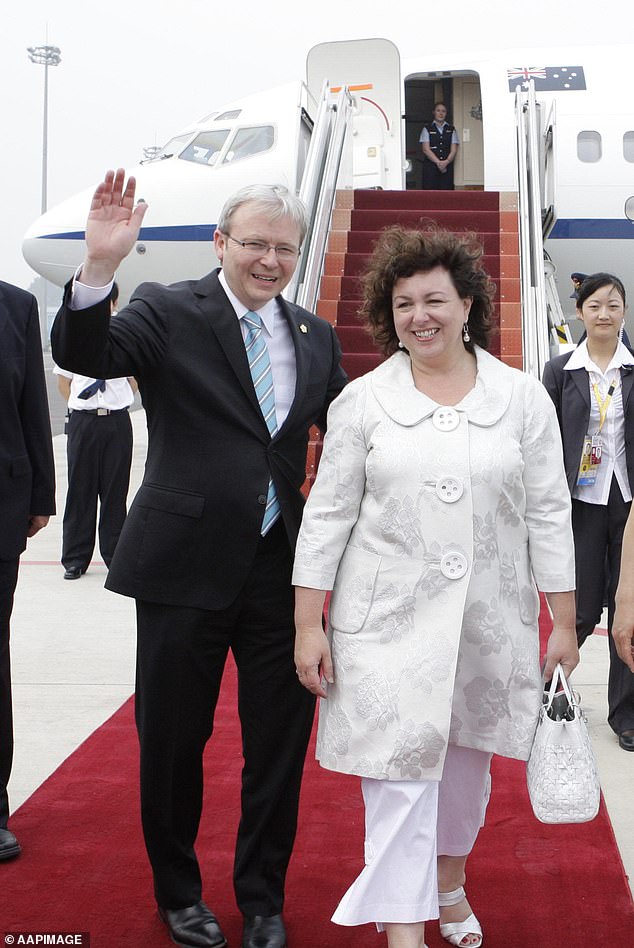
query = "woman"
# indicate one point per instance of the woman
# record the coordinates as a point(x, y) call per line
point(441, 469)
point(592, 392)
point(439, 143)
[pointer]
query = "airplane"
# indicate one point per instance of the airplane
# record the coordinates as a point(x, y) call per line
point(265, 137)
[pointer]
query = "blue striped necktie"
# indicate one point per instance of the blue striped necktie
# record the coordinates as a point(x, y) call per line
point(260, 366)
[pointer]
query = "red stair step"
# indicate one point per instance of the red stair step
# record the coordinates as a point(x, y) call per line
point(355, 339)
point(480, 221)
point(427, 200)
point(356, 364)
point(348, 313)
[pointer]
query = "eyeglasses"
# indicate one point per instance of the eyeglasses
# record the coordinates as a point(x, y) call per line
point(259, 249)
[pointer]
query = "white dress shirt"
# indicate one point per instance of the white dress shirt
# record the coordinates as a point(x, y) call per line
point(613, 460)
point(117, 394)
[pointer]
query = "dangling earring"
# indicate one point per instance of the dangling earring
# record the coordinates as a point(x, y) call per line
point(465, 333)
point(621, 331)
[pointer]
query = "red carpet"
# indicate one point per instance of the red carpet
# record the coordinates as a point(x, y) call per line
point(83, 866)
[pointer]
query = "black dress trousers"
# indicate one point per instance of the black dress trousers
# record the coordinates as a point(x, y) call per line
point(8, 581)
point(99, 453)
point(598, 532)
point(180, 661)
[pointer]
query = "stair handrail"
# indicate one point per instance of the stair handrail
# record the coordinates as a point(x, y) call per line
point(535, 344)
point(548, 165)
point(311, 183)
point(318, 191)
point(560, 335)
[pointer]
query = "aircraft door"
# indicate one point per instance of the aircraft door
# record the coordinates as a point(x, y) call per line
point(371, 69)
point(461, 93)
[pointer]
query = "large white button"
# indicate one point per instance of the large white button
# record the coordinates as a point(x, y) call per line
point(445, 419)
point(454, 565)
point(449, 489)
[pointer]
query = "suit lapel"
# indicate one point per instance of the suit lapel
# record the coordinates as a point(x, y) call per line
point(225, 326)
point(580, 378)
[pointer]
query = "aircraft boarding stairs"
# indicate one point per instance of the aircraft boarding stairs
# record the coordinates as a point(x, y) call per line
point(357, 220)
point(528, 324)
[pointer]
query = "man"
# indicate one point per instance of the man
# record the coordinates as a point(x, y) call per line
point(27, 489)
point(577, 280)
point(207, 547)
point(99, 453)
point(439, 141)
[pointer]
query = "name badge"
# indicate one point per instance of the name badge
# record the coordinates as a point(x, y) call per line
point(590, 461)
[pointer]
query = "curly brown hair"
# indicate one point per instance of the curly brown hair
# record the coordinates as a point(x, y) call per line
point(400, 252)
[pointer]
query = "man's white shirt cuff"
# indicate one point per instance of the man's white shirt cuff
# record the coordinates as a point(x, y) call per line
point(83, 296)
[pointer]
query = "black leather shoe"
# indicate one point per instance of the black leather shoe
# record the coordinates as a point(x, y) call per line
point(73, 572)
point(626, 740)
point(9, 846)
point(193, 927)
point(264, 931)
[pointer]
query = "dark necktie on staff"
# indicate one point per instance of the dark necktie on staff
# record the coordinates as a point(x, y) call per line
point(99, 385)
point(260, 366)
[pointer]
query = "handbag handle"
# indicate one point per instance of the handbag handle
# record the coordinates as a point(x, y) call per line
point(558, 681)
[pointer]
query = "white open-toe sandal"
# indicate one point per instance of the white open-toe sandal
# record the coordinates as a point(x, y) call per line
point(454, 932)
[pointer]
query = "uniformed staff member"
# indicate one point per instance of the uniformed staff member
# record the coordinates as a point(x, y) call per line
point(99, 452)
point(440, 143)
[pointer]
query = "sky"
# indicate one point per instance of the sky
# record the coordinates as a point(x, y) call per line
point(134, 72)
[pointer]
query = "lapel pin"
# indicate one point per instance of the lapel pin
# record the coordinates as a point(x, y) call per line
point(303, 327)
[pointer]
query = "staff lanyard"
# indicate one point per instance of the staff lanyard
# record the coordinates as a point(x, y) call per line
point(604, 404)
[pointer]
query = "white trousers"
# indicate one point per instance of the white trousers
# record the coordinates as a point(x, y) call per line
point(408, 824)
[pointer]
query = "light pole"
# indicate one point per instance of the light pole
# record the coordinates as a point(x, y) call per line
point(45, 56)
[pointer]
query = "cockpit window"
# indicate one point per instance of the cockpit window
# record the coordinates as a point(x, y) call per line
point(250, 141)
point(227, 116)
point(206, 147)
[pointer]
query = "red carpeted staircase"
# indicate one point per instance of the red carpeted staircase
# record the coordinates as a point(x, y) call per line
point(358, 219)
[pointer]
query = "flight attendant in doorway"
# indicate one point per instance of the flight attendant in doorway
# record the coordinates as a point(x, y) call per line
point(439, 141)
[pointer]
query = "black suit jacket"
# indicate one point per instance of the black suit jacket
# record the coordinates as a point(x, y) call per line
point(27, 473)
point(193, 529)
point(570, 392)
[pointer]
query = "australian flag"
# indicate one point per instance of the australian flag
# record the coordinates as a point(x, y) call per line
point(547, 78)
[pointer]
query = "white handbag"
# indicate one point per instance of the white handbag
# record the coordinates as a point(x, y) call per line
point(562, 773)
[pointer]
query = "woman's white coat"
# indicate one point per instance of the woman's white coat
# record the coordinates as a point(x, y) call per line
point(432, 525)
